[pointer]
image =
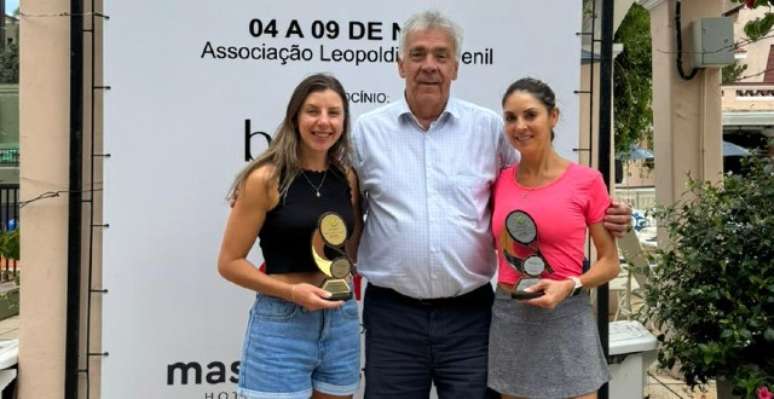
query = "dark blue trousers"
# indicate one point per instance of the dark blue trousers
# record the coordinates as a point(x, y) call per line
point(412, 344)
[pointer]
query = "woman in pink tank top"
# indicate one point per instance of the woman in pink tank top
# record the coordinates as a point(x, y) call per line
point(546, 346)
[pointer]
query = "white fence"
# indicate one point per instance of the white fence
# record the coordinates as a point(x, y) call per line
point(643, 198)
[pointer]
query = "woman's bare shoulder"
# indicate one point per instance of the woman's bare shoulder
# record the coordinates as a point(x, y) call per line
point(261, 184)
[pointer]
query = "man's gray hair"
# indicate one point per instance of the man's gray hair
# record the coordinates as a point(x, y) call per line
point(431, 19)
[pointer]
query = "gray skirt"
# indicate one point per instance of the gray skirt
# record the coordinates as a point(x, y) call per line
point(540, 353)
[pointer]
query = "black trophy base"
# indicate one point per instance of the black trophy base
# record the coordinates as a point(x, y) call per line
point(339, 290)
point(520, 293)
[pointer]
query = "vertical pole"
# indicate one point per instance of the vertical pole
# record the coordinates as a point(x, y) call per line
point(92, 157)
point(2, 26)
point(603, 155)
point(75, 198)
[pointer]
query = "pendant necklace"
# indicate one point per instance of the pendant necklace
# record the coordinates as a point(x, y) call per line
point(317, 187)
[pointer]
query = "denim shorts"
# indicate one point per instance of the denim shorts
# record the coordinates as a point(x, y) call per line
point(288, 351)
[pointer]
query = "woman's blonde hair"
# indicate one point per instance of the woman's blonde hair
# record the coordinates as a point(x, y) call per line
point(283, 152)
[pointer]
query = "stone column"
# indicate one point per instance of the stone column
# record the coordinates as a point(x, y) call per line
point(686, 113)
point(44, 143)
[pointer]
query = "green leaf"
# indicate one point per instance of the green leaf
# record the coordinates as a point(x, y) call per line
point(9, 64)
point(759, 27)
point(632, 81)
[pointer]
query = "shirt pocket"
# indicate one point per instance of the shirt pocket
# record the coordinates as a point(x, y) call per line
point(468, 195)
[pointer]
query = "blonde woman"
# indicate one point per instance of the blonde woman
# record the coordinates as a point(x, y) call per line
point(299, 344)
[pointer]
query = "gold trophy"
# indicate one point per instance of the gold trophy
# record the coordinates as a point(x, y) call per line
point(521, 229)
point(331, 233)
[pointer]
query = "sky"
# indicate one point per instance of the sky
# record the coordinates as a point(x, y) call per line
point(10, 6)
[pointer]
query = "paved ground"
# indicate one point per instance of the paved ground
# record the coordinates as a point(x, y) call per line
point(664, 386)
point(9, 328)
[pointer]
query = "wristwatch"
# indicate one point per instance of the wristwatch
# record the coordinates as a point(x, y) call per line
point(578, 286)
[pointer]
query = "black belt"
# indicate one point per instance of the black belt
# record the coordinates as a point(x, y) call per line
point(481, 295)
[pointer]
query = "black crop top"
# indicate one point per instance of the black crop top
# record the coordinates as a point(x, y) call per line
point(287, 231)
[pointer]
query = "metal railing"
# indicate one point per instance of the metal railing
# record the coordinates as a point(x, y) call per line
point(9, 222)
point(9, 157)
point(643, 198)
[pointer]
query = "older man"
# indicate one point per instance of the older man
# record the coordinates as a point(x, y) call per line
point(426, 164)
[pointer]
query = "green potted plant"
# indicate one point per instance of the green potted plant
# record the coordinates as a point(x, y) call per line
point(9, 244)
point(712, 287)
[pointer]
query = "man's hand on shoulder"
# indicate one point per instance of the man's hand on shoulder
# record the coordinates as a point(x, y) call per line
point(618, 219)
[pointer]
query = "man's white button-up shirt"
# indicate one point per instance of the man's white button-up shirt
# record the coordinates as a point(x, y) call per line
point(427, 197)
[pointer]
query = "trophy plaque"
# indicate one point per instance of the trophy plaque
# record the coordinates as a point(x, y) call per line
point(521, 229)
point(331, 233)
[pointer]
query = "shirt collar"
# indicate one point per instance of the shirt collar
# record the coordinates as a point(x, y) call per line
point(452, 110)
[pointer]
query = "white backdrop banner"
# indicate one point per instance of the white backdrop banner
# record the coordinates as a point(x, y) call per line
point(193, 86)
